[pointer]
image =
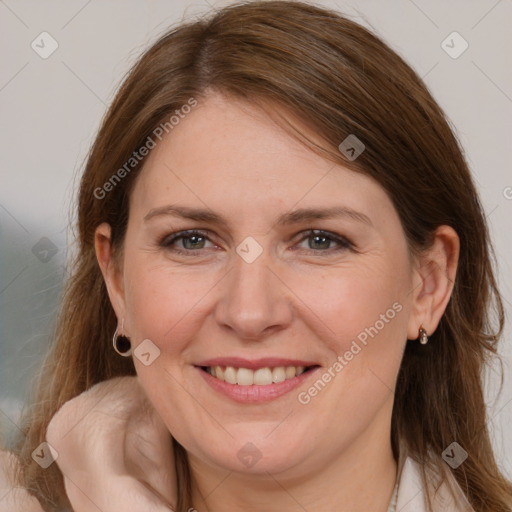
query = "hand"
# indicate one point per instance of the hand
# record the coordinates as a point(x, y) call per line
point(14, 499)
point(114, 450)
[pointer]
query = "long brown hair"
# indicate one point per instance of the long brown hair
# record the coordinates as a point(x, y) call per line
point(341, 80)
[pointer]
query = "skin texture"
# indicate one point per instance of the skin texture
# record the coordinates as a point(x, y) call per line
point(299, 299)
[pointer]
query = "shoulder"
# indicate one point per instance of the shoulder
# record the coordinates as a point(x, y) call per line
point(13, 498)
point(413, 493)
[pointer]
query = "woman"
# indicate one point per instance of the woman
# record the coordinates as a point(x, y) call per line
point(278, 228)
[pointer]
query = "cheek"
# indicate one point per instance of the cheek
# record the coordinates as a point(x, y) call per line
point(361, 316)
point(158, 301)
point(347, 303)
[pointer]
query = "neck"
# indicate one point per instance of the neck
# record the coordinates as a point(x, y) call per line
point(359, 478)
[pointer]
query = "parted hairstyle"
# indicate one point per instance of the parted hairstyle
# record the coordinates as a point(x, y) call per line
point(340, 79)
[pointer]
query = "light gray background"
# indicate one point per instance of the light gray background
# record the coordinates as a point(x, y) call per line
point(51, 109)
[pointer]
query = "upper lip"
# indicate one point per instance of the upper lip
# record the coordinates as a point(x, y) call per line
point(254, 364)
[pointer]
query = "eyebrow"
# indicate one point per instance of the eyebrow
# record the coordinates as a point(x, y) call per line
point(286, 219)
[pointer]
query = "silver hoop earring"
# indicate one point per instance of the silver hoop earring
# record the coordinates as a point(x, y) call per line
point(121, 343)
point(423, 336)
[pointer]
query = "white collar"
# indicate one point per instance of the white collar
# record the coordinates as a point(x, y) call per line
point(412, 494)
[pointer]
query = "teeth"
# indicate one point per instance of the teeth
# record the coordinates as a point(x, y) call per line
point(230, 374)
point(245, 377)
point(290, 372)
point(279, 374)
point(259, 377)
point(262, 376)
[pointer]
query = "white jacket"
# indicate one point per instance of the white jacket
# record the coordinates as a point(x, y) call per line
point(114, 453)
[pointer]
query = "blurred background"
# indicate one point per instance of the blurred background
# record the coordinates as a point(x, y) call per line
point(61, 63)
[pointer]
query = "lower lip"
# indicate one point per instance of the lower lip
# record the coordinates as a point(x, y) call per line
point(255, 393)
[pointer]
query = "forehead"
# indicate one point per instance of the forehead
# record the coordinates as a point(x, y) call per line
point(230, 156)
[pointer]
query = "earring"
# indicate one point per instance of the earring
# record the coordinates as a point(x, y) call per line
point(122, 344)
point(423, 336)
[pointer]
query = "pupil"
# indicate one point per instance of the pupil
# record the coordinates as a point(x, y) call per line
point(192, 242)
point(323, 242)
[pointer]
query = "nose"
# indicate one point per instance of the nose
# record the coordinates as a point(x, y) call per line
point(254, 302)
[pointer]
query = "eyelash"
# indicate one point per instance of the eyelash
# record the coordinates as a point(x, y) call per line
point(167, 241)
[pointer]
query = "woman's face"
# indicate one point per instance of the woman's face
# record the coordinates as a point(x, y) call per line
point(253, 287)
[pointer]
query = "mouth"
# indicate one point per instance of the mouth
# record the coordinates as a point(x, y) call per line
point(255, 381)
point(259, 377)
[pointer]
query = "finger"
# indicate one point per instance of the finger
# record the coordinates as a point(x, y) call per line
point(149, 454)
point(14, 499)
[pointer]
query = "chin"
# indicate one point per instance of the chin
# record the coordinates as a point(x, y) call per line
point(257, 457)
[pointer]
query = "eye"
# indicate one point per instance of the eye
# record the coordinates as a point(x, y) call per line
point(323, 241)
point(191, 242)
point(186, 241)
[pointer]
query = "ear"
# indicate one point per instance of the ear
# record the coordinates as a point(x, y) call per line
point(433, 281)
point(111, 273)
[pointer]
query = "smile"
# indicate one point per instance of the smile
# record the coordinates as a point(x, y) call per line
point(260, 377)
point(261, 380)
